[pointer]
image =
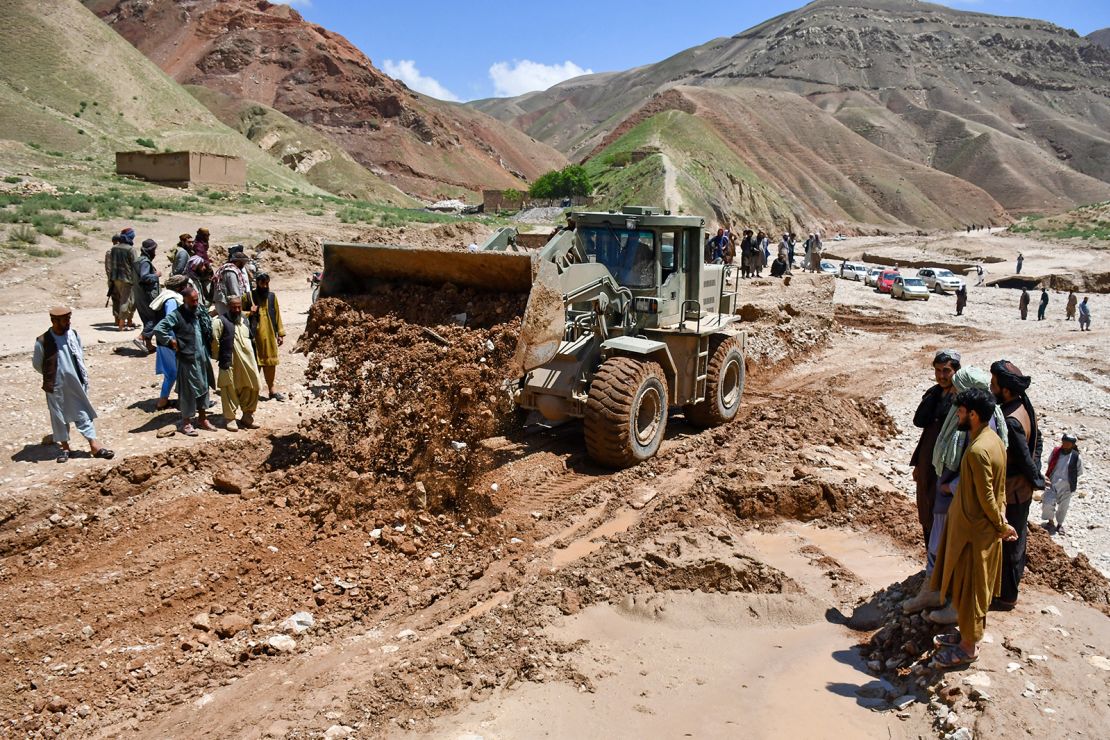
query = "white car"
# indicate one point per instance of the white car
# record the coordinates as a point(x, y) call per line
point(939, 279)
point(872, 277)
point(853, 271)
point(909, 289)
point(828, 268)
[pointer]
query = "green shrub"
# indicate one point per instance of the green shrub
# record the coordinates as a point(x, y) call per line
point(569, 181)
point(148, 143)
point(12, 179)
point(24, 233)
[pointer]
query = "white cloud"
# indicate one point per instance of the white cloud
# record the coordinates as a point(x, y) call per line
point(299, 3)
point(523, 75)
point(405, 70)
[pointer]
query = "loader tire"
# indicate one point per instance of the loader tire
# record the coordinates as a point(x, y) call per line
point(723, 387)
point(626, 412)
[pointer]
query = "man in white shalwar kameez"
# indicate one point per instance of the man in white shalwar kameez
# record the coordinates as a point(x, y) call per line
point(60, 358)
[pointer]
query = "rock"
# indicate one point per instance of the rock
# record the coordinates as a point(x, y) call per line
point(961, 734)
point(874, 666)
point(166, 432)
point(230, 625)
point(1099, 662)
point(84, 711)
point(1050, 609)
point(1011, 667)
point(866, 617)
point(87, 632)
point(231, 481)
point(56, 704)
point(282, 643)
point(406, 635)
point(137, 470)
point(202, 622)
point(570, 602)
point(903, 701)
point(980, 680)
point(298, 623)
point(56, 518)
point(338, 731)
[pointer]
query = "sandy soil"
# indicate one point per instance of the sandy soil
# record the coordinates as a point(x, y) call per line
point(152, 597)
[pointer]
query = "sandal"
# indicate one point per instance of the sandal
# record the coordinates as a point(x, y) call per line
point(998, 605)
point(946, 639)
point(953, 657)
point(188, 431)
point(104, 454)
point(62, 457)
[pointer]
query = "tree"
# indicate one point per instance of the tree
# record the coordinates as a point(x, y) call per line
point(567, 182)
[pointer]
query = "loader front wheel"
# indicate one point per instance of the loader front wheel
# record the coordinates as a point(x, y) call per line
point(723, 387)
point(626, 412)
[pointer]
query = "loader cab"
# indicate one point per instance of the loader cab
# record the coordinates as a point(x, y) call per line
point(655, 255)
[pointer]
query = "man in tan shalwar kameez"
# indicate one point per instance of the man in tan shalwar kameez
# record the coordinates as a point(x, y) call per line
point(969, 565)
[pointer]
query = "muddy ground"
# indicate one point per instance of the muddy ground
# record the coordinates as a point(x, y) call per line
point(266, 584)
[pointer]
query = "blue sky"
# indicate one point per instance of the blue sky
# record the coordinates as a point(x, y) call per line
point(481, 48)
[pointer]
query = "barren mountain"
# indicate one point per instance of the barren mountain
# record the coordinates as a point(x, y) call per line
point(1019, 108)
point(1100, 37)
point(72, 93)
point(258, 51)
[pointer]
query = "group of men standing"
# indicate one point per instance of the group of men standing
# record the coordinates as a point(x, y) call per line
point(195, 315)
point(1073, 304)
point(976, 468)
point(754, 251)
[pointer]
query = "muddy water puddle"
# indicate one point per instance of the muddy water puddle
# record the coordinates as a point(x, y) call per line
point(595, 539)
point(874, 563)
point(699, 666)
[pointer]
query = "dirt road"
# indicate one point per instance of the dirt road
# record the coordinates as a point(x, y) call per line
point(242, 586)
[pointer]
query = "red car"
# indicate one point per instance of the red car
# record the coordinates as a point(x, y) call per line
point(885, 281)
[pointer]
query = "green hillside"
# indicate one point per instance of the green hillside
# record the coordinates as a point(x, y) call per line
point(689, 169)
point(326, 164)
point(73, 92)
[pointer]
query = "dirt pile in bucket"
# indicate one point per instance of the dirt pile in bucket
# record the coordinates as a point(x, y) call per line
point(416, 379)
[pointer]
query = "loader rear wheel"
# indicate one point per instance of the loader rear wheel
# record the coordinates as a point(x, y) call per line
point(626, 412)
point(723, 387)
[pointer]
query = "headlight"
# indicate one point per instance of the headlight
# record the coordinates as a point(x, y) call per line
point(647, 305)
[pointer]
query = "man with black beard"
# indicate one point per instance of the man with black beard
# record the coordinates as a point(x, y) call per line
point(929, 418)
point(267, 330)
point(188, 332)
point(1023, 471)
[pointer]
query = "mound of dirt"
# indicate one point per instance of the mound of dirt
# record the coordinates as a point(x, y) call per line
point(416, 380)
point(289, 253)
point(457, 235)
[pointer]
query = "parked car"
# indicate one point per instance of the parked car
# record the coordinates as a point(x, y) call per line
point(839, 238)
point(939, 279)
point(873, 276)
point(909, 289)
point(853, 271)
point(828, 268)
point(885, 280)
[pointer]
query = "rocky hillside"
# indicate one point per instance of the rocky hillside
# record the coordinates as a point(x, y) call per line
point(72, 93)
point(301, 148)
point(1019, 109)
point(257, 51)
point(1100, 37)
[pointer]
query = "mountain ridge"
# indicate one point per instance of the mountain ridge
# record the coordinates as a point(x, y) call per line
point(1018, 107)
point(268, 53)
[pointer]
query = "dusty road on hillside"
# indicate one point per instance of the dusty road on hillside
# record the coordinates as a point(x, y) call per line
point(703, 593)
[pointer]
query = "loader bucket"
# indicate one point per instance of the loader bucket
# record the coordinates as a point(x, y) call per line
point(353, 269)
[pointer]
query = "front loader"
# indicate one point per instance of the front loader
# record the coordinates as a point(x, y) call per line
point(624, 320)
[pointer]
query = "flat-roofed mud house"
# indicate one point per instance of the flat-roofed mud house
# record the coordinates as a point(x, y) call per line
point(184, 169)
